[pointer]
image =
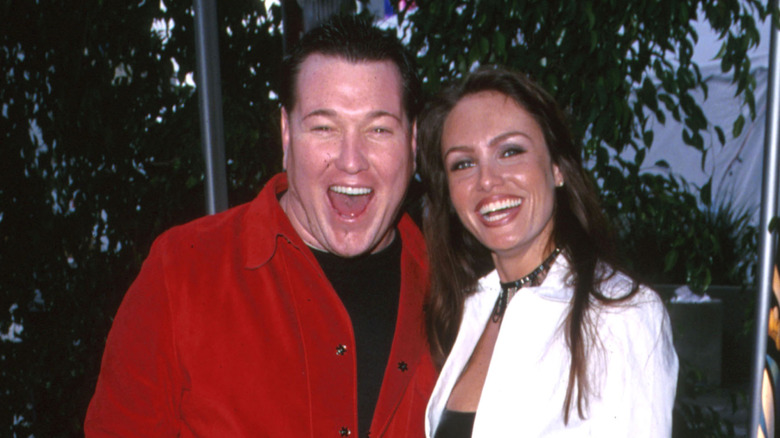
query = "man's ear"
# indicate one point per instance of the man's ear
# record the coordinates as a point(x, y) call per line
point(285, 137)
point(414, 145)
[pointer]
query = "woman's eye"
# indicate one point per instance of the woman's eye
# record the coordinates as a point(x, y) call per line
point(512, 151)
point(460, 165)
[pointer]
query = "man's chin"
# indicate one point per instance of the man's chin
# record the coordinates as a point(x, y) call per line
point(349, 251)
point(354, 246)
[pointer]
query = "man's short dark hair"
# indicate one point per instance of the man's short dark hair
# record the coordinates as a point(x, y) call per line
point(354, 39)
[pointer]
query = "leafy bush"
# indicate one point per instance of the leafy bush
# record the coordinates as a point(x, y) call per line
point(602, 61)
point(667, 235)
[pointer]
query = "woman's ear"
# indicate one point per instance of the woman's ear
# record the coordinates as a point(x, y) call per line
point(558, 176)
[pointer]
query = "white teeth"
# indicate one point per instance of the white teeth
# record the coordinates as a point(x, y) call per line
point(497, 206)
point(496, 217)
point(351, 191)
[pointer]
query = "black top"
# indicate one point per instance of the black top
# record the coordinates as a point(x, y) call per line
point(369, 287)
point(455, 424)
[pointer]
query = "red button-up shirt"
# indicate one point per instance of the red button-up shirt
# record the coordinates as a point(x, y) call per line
point(231, 329)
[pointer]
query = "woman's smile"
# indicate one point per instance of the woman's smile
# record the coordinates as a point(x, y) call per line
point(494, 211)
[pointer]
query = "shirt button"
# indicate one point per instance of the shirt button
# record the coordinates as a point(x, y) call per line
point(403, 366)
point(344, 431)
point(341, 349)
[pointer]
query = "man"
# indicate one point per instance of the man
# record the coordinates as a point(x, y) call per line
point(241, 324)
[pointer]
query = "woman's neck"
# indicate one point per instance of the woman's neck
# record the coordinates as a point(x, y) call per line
point(512, 267)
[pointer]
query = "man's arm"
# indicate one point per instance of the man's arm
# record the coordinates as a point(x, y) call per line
point(139, 381)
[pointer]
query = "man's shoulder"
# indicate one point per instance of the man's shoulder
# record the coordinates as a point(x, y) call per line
point(413, 240)
point(227, 229)
point(204, 231)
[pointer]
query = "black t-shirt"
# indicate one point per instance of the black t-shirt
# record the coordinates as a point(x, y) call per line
point(369, 287)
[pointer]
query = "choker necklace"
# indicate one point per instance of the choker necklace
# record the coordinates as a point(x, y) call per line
point(513, 286)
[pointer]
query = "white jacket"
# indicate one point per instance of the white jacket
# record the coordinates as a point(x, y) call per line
point(633, 367)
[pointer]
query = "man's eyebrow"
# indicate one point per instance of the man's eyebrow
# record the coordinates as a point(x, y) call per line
point(382, 113)
point(321, 112)
point(325, 112)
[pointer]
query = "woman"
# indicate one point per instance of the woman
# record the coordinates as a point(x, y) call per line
point(544, 336)
point(771, 380)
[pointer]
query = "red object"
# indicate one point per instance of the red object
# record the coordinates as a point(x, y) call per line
point(231, 329)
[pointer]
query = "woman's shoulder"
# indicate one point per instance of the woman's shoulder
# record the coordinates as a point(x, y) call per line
point(619, 287)
point(634, 308)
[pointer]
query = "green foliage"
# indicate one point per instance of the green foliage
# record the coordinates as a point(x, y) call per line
point(592, 55)
point(693, 418)
point(667, 238)
point(100, 153)
point(611, 65)
point(696, 421)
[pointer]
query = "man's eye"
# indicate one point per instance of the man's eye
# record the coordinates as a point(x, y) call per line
point(380, 130)
point(322, 128)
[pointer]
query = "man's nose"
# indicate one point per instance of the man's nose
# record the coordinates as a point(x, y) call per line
point(352, 153)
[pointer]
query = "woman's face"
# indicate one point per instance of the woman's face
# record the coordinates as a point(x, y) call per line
point(501, 179)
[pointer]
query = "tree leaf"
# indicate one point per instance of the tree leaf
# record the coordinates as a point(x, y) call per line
point(721, 135)
point(670, 260)
point(739, 124)
point(705, 193)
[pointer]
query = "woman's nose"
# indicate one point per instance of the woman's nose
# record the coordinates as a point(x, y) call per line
point(489, 176)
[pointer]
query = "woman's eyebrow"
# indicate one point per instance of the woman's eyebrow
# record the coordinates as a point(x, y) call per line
point(501, 137)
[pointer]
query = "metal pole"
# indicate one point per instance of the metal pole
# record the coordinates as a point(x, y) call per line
point(210, 102)
point(768, 209)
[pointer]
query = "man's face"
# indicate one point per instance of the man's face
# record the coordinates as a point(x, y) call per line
point(349, 153)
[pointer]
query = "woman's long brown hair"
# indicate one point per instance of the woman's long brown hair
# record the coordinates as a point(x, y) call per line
point(458, 260)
